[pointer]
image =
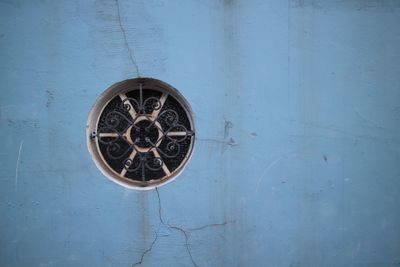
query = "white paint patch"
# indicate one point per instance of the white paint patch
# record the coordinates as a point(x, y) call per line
point(127, 193)
point(17, 165)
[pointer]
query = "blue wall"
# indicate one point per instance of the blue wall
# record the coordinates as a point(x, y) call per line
point(296, 103)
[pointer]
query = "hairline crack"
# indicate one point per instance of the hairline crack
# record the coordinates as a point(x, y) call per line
point(130, 50)
point(182, 230)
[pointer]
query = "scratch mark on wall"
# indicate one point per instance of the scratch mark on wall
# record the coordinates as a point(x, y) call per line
point(210, 225)
point(32, 123)
point(253, 134)
point(369, 121)
point(341, 130)
point(274, 162)
point(227, 126)
point(347, 4)
point(17, 165)
point(130, 51)
point(50, 98)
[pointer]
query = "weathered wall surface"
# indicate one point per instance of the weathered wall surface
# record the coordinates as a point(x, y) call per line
point(297, 161)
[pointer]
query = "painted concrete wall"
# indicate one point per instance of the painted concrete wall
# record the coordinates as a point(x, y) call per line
point(297, 161)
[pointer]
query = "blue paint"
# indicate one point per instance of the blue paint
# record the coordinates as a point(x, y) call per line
point(305, 173)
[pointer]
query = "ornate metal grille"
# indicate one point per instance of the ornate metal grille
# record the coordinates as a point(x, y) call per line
point(144, 134)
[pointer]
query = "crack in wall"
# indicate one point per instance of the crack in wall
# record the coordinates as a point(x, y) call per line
point(147, 250)
point(130, 51)
point(176, 228)
point(182, 230)
point(231, 142)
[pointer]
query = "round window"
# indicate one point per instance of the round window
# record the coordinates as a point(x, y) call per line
point(140, 133)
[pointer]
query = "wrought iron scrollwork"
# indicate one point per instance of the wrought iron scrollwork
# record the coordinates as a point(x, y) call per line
point(135, 139)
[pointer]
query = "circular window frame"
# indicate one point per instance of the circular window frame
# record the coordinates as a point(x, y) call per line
point(96, 111)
